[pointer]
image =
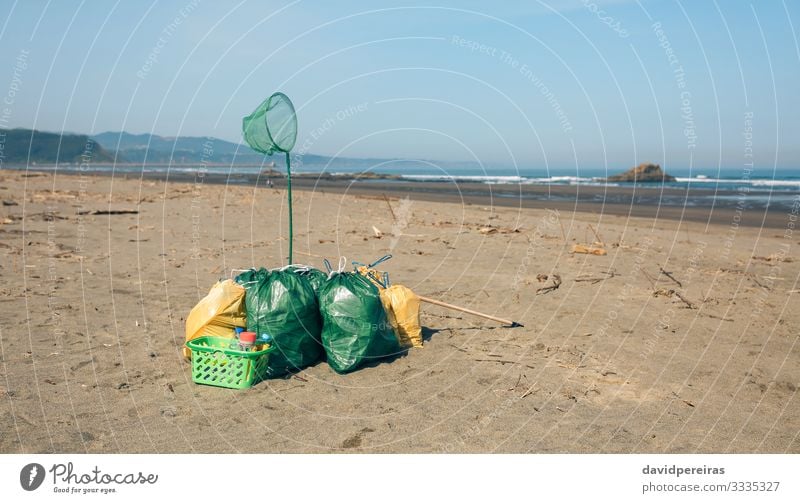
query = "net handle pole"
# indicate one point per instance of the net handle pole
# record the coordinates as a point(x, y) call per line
point(469, 311)
point(289, 195)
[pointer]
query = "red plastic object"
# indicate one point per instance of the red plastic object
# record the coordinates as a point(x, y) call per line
point(247, 337)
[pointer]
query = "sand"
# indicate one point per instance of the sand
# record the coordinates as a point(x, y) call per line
point(619, 358)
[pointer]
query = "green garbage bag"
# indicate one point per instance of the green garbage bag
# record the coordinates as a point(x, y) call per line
point(355, 331)
point(282, 303)
point(315, 277)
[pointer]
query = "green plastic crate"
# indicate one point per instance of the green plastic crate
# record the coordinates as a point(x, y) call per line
point(215, 364)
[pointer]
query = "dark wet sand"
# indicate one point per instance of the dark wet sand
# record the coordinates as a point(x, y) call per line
point(646, 201)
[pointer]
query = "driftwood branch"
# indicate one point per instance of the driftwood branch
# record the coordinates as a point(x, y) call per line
point(670, 276)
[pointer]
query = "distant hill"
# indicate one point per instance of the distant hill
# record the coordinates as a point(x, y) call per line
point(191, 150)
point(27, 146)
point(154, 149)
point(182, 149)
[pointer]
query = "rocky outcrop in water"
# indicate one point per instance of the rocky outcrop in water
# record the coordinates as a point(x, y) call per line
point(643, 173)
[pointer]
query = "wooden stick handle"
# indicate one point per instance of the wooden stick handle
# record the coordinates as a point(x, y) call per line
point(469, 311)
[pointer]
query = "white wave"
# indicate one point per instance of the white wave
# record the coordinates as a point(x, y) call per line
point(739, 181)
point(561, 179)
point(702, 180)
point(492, 180)
point(776, 183)
point(465, 178)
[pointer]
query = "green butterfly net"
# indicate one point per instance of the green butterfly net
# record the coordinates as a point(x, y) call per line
point(271, 128)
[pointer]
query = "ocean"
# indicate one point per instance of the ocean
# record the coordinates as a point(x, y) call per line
point(760, 188)
point(722, 179)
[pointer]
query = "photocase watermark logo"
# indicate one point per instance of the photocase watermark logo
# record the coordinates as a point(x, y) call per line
point(31, 476)
point(68, 479)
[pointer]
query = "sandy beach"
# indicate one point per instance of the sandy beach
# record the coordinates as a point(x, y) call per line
point(683, 338)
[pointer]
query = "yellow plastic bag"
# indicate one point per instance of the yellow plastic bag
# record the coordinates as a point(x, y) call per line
point(402, 310)
point(399, 302)
point(217, 314)
point(386, 300)
point(375, 277)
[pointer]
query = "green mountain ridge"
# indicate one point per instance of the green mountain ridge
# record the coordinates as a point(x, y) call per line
point(28, 146)
point(150, 148)
point(155, 149)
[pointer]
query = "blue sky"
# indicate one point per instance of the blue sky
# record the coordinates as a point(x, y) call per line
point(550, 83)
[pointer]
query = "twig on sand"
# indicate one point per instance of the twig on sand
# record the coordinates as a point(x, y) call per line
point(529, 392)
point(670, 293)
point(503, 362)
point(775, 257)
point(599, 239)
point(518, 380)
point(765, 287)
point(684, 300)
point(732, 271)
point(290, 387)
point(609, 275)
point(394, 218)
point(670, 276)
point(495, 361)
point(547, 289)
point(108, 212)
